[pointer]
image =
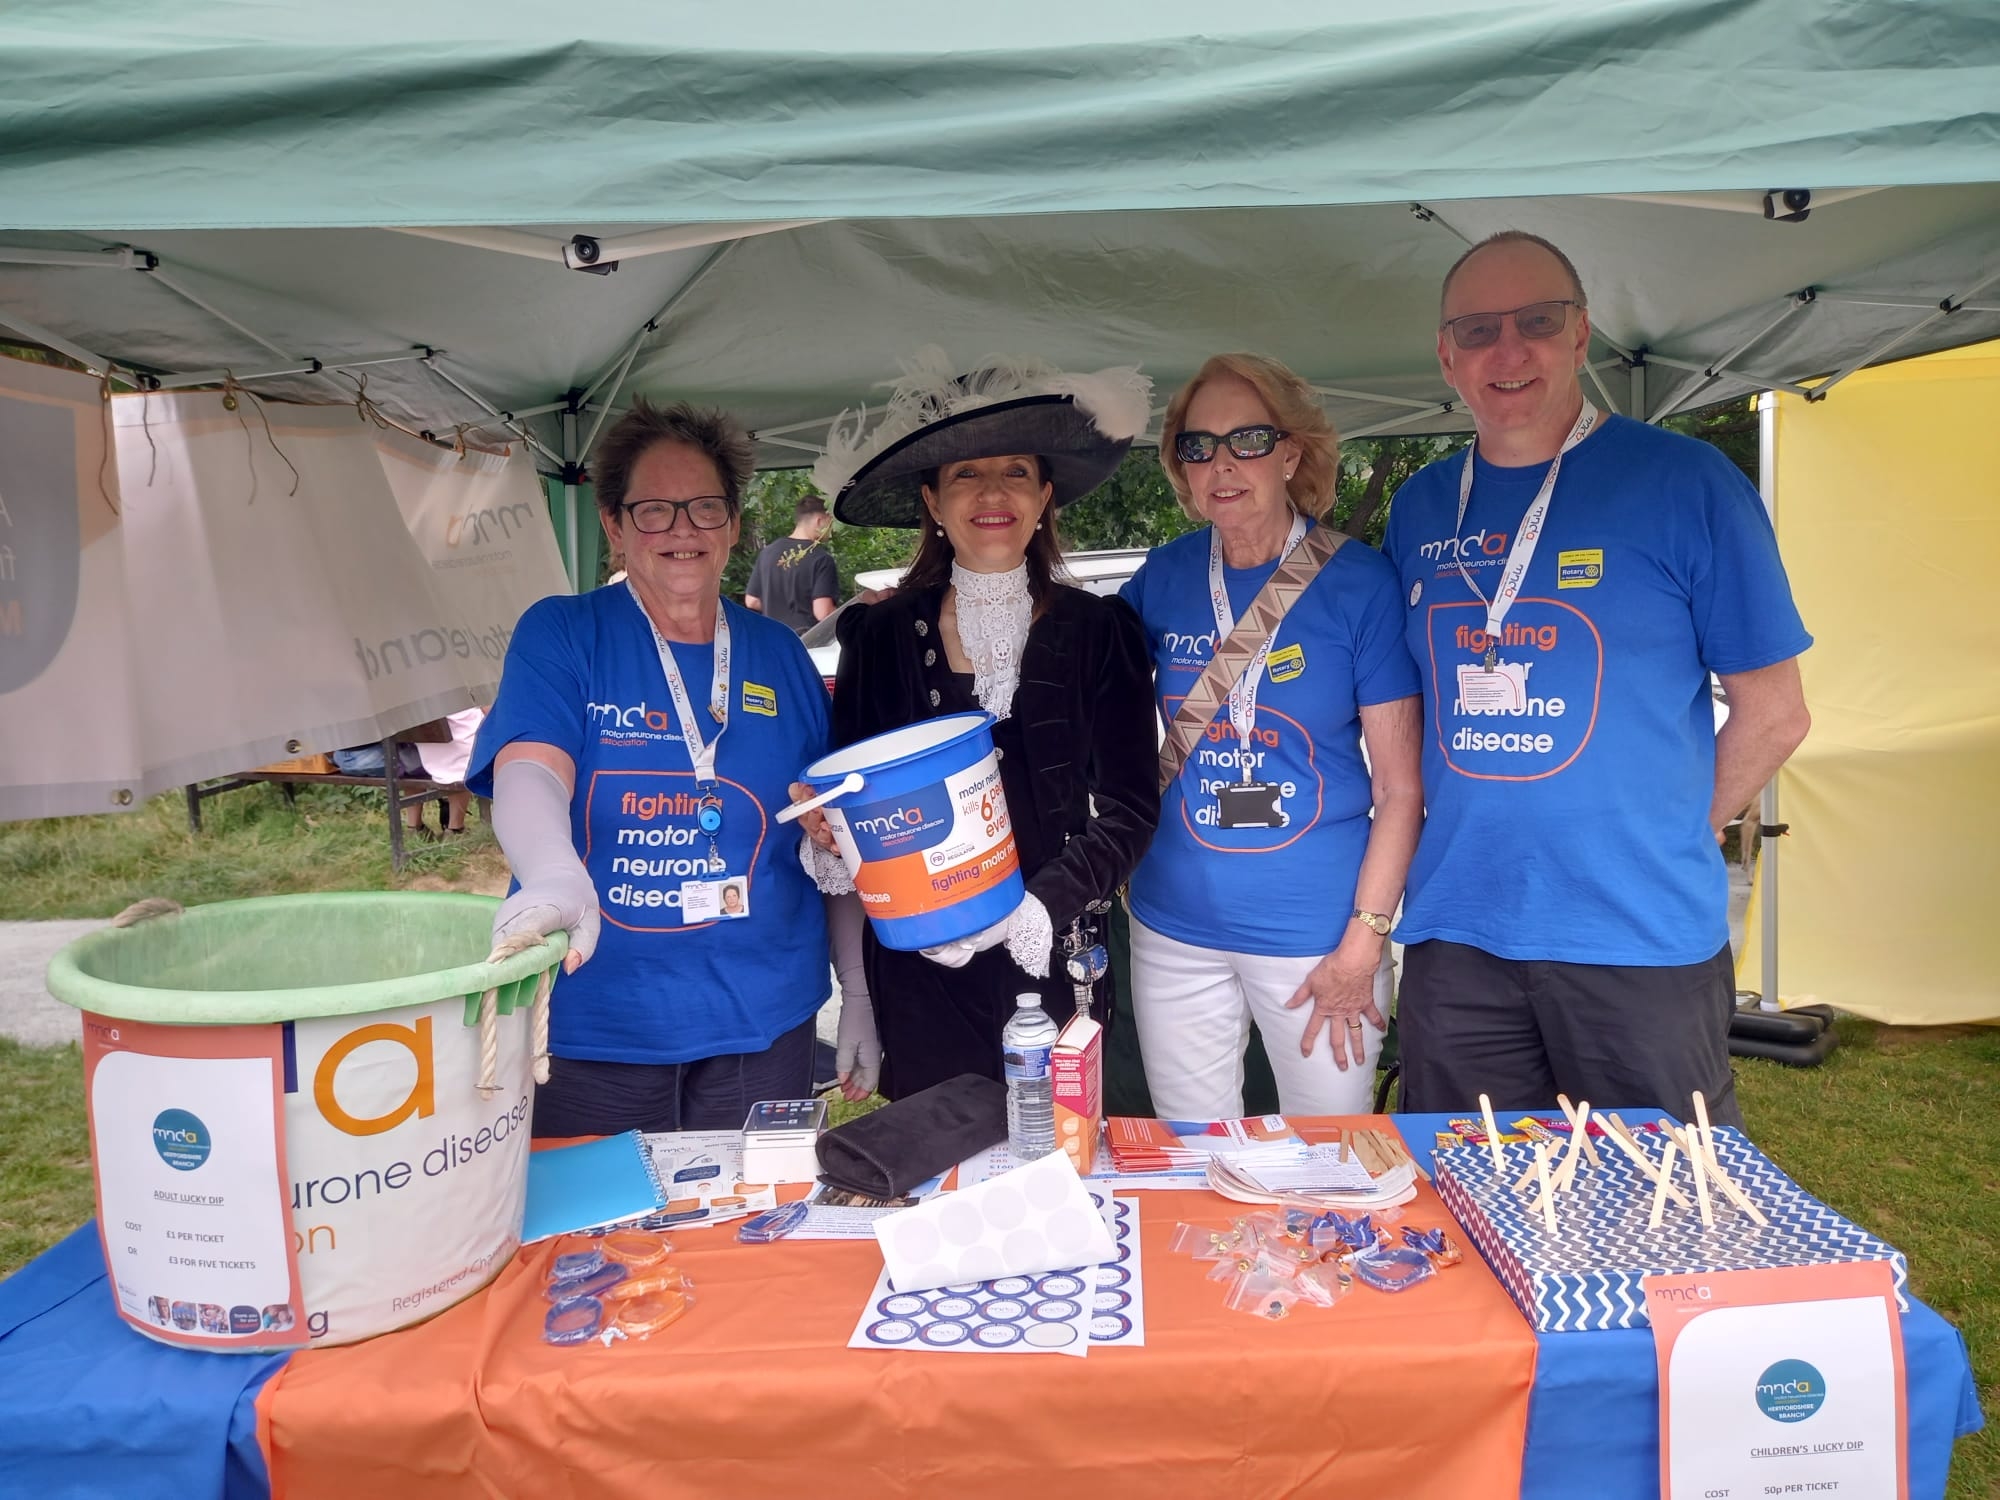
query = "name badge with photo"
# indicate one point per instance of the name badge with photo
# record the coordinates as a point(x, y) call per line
point(1250, 804)
point(714, 900)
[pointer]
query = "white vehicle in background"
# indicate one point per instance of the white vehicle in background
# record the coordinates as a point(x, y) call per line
point(1099, 572)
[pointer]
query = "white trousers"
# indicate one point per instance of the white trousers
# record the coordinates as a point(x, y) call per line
point(1194, 1007)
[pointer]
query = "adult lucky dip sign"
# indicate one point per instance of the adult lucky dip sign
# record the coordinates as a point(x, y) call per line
point(1780, 1382)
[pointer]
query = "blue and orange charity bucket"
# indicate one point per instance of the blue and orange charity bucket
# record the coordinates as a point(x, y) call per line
point(921, 820)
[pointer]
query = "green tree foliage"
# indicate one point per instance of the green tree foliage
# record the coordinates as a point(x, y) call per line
point(1732, 427)
point(1136, 506)
point(769, 512)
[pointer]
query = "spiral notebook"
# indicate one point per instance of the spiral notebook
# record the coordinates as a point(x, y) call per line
point(592, 1183)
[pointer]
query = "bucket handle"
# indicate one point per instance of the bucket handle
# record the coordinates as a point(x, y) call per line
point(852, 782)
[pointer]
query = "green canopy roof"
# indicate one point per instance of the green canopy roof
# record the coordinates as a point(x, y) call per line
point(796, 196)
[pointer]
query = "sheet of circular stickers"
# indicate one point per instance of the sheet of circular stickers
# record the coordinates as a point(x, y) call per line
point(1056, 1312)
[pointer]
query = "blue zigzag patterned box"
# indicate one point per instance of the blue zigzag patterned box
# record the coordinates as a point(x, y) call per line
point(1589, 1275)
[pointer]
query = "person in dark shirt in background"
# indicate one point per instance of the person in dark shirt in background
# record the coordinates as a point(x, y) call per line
point(794, 579)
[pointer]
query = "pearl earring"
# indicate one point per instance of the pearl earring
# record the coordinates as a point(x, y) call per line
point(940, 531)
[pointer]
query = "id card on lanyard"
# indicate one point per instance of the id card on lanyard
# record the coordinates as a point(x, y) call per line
point(703, 900)
point(1249, 803)
point(1491, 685)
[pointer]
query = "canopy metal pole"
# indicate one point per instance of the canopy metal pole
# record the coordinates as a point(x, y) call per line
point(1695, 385)
point(1752, 377)
point(506, 417)
point(571, 471)
point(652, 324)
point(1767, 804)
point(1602, 389)
point(312, 367)
point(1436, 409)
point(121, 259)
point(1334, 390)
point(97, 364)
point(1875, 299)
point(1635, 377)
point(1945, 309)
point(219, 315)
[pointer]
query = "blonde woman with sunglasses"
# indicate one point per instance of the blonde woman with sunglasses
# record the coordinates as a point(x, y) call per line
point(1269, 888)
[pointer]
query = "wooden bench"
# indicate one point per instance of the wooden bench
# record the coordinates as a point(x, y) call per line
point(403, 791)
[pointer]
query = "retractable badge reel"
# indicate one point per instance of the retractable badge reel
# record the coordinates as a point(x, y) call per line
point(708, 818)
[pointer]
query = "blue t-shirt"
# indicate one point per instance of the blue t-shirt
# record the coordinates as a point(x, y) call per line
point(583, 674)
point(1276, 891)
point(1574, 827)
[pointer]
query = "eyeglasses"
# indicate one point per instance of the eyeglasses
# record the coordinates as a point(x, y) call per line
point(1538, 320)
point(705, 512)
point(1244, 442)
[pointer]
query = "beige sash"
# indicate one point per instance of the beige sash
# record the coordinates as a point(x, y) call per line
point(1232, 658)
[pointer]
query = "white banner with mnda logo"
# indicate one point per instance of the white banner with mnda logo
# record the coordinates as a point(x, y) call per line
point(235, 582)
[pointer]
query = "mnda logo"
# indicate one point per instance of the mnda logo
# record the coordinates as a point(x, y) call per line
point(1790, 1391)
point(182, 1140)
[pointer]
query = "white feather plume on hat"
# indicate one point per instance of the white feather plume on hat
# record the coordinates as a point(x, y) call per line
point(1118, 402)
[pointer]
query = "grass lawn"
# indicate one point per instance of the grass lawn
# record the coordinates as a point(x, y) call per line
point(1896, 1130)
point(251, 844)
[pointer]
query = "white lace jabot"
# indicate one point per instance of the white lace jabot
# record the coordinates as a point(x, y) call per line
point(994, 610)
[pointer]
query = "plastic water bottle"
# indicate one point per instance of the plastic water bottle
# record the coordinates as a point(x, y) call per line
point(1027, 1057)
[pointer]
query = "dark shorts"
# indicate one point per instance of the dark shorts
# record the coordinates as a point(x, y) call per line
point(1523, 1031)
point(715, 1093)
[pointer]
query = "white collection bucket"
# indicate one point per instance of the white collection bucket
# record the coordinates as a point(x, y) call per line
point(921, 819)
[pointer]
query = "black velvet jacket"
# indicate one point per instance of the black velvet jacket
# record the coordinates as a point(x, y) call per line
point(1085, 706)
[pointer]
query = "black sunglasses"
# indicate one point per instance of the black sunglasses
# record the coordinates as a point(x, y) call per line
point(705, 512)
point(1244, 442)
point(1538, 320)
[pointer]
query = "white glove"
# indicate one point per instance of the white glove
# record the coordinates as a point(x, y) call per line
point(1026, 931)
point(857, 1050)
point(531, 822)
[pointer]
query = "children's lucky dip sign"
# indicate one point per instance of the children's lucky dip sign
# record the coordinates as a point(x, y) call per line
point(321, 1179)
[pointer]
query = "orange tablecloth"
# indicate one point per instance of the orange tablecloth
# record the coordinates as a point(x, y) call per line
point(755, 1392)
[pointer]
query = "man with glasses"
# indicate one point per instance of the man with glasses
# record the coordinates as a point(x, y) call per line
point(1571, 581)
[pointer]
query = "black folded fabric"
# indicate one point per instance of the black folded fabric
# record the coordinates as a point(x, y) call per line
point(885, 1154)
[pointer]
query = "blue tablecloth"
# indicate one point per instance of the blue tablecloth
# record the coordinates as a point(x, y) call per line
point(92, 1409)
point(1594, 1412)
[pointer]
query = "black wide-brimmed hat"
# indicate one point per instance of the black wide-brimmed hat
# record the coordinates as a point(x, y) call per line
point(1080, 424)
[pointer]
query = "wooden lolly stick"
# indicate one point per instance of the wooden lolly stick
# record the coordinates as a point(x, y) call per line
point(1707, 1136)
point(1572, 1154)
point(1527, 1176)
point(1548, 1193)
point(1691, 1144)
point(1576, 1128)
point(1699, 1144)
point(1492, 1131)
point(1731, 1191)
point(1663, 1185)
point(1340, 1147)
point(1625, 1141)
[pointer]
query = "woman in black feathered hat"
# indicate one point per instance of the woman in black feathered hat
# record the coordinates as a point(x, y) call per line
point(984, 619)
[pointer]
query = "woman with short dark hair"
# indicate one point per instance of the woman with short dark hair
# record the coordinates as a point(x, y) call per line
point(637, 755)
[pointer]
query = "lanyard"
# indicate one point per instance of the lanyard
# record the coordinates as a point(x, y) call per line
point(701, 752)
point(1525, 540)
point(1243, 695)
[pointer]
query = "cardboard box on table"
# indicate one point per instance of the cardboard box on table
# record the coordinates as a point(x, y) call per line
point(1077, 1065)
point(1589, 1274)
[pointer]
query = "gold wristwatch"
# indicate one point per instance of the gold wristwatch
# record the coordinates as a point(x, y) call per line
point(1376, 922)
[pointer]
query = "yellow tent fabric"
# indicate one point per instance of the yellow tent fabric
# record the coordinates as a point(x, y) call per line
point(1888, 515)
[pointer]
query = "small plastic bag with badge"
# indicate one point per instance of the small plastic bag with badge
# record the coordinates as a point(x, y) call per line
point(620, 1285)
